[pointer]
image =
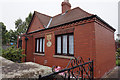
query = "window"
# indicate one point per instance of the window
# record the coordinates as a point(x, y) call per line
point(40, 44)
point(20, 44)
point(65, 44)
point(58, 45)
point(71, 44)
point(37, 45)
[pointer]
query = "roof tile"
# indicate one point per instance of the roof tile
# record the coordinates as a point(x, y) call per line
point(44, 19)
point(71, 15)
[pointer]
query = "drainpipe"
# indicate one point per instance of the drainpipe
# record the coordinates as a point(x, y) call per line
point(26, 48)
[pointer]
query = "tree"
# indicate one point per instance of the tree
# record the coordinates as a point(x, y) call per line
point(12, 36)
point(28, 20)
point(4, 33)
point(21, 26)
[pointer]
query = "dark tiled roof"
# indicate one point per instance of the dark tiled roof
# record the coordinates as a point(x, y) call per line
point(70, 15)
point(86, 18)
point(44, 19)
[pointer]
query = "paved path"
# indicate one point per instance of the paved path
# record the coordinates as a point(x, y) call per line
point(115, 73)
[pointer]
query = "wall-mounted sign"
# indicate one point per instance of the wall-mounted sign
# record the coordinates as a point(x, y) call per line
point(49, 43)
point(49, 37)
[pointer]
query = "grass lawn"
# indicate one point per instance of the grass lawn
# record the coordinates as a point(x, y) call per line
point(118, 62)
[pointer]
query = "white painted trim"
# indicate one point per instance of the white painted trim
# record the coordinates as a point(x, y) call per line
point(49, 23)
point(39, 54)
point(64, 57)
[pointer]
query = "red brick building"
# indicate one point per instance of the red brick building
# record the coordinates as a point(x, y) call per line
point(74, 32)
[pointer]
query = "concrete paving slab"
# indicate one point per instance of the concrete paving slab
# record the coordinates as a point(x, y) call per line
point(114, 74)
point(23, 70)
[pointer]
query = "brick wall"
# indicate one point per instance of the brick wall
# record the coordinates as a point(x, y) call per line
point(105, 49)
point(91, 40)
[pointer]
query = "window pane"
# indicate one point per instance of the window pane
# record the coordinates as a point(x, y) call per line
point(43, 45)
point(71, 44)
point(65, 44)
point(20, 44)
point(40, 45)
point(37, 45)
point(58, 44)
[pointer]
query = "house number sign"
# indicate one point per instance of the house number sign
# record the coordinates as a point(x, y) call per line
point(49, 43)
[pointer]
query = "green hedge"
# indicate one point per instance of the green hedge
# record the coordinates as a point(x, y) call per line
point(13, 54)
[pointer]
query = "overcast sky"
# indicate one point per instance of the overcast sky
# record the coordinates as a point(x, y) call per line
point(11, 10)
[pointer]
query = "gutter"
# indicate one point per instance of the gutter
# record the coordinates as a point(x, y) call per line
point(105, 23)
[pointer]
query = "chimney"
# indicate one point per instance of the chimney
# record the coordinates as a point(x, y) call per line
point(65, 6)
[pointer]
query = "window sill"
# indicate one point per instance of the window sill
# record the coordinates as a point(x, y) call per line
point(64, 57)
point(39, 54)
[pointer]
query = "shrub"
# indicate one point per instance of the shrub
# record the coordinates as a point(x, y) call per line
point(13, 54)
point(118, 53)
point(118, 62)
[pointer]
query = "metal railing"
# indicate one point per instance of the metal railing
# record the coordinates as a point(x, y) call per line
point(76, 69)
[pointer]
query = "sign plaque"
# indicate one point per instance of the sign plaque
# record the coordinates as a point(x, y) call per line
point(49, 43)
